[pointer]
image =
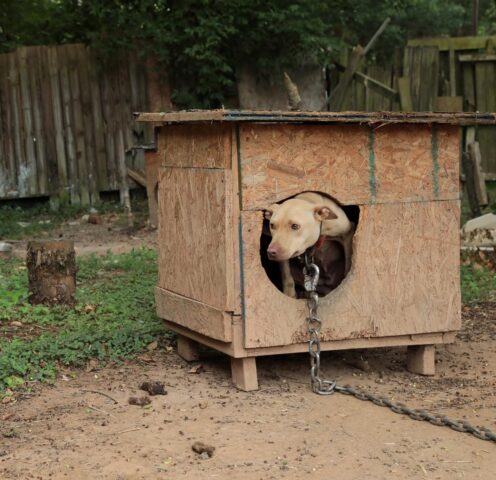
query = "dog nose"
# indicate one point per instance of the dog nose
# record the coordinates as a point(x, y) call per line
point(272, 252)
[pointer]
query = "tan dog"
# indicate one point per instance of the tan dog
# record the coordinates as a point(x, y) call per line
point(297, 225)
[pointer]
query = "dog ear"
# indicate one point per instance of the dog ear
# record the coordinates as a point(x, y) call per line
point(268, 212)
point(324, 213)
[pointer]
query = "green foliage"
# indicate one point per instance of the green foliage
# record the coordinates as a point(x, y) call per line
point(201, 43)
point(114, 318)
point(478, 284)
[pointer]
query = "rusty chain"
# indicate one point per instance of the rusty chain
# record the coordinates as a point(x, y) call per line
point(328, 387)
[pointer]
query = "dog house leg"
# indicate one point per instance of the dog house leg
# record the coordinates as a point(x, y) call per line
point(187, 348)
point(420, 359)
point(244, 373)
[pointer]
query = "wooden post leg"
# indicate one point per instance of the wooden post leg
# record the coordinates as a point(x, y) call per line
point(420, 359)
point(187, 348)
point(244, 373)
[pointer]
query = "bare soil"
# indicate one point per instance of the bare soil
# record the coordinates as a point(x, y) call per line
point(71, 430)
point(112, 234)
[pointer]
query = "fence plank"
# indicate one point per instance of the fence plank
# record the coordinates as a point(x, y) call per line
point(27, 115)
point(83, 61)
point(72, 172)
point(39, 136)
point(8, 166)
point(99, 131)
point(78, 126)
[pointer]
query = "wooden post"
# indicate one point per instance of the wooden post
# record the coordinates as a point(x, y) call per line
point(244, 373)
point(51, 272)
point(187, 349)
point(420, 359)
point(479, 177)
point(468, 170)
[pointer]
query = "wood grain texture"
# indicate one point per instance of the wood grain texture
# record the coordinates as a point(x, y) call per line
point(366, 118)
point(404, 280)
point(200, 146)
point(151, 172)
point(196, 247)
point(193, 315)
point(59, 114)
point(278, 161)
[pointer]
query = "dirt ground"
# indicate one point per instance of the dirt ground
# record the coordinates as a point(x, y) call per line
point(67, 431)
point(111, 234)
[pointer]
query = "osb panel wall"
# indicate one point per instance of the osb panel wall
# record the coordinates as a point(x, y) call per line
point(355, 164)
point(416, 163)
point(196, 237)
point(206, 145)
point(404, 279)
point(278, 161)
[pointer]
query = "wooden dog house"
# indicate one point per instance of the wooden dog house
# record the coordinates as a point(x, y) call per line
point(219, 170)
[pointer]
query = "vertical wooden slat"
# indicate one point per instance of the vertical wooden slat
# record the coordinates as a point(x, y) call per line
point(99, 132)
point(17, 127)
point(108, 85)
point(86, 106)
point(7, 163)
point(39, 136)
point(72, 177)
point(47, 102)
point(62, 185)
point(78, 125)
point(27, 114)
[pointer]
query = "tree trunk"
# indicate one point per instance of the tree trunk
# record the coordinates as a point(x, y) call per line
point(52, 272)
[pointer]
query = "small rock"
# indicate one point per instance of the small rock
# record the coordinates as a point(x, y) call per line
point(85, 218)
point(15, 323)
point(154, 388)
point(203, 449)
point(139, 401)
point(196, 369)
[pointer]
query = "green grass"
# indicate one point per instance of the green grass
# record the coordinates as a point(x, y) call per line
point(17, 223)
point(114, 318)
point(478, 284)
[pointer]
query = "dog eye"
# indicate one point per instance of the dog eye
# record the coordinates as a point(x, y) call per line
point(295, 226)
point(272, 226)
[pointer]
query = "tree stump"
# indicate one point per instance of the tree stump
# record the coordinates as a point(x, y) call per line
point(51, 272)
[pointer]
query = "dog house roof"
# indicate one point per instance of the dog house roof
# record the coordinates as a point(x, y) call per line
point(260, 116)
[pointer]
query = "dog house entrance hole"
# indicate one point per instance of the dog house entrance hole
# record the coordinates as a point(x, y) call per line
point(333, 261)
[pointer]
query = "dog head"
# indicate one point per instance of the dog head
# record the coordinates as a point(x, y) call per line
point(295, 225)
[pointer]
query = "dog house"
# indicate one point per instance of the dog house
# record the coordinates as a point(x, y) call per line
point(219, 169)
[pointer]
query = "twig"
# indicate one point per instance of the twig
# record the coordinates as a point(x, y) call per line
point(101, 393)
point(100, 410)
point(124, 431)
point(423, 469)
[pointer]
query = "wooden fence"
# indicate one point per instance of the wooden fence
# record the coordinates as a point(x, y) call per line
point(436, 74)
point(64, 121)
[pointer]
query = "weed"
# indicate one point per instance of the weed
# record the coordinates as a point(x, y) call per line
point(114, 318)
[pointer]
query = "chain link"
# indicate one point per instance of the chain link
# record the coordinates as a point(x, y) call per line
point(328, 387)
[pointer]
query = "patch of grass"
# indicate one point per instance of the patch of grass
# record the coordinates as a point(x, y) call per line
point(114, 318)
point(478, 283)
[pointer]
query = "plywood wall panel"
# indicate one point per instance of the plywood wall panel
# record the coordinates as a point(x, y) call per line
point(195, 236)
point(278, 161)
point(404, 280)
point(201, 146)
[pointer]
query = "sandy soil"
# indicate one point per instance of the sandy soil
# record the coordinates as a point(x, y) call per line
point(281, 431)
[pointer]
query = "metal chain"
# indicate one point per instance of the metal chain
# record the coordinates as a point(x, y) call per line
point(328, 387)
